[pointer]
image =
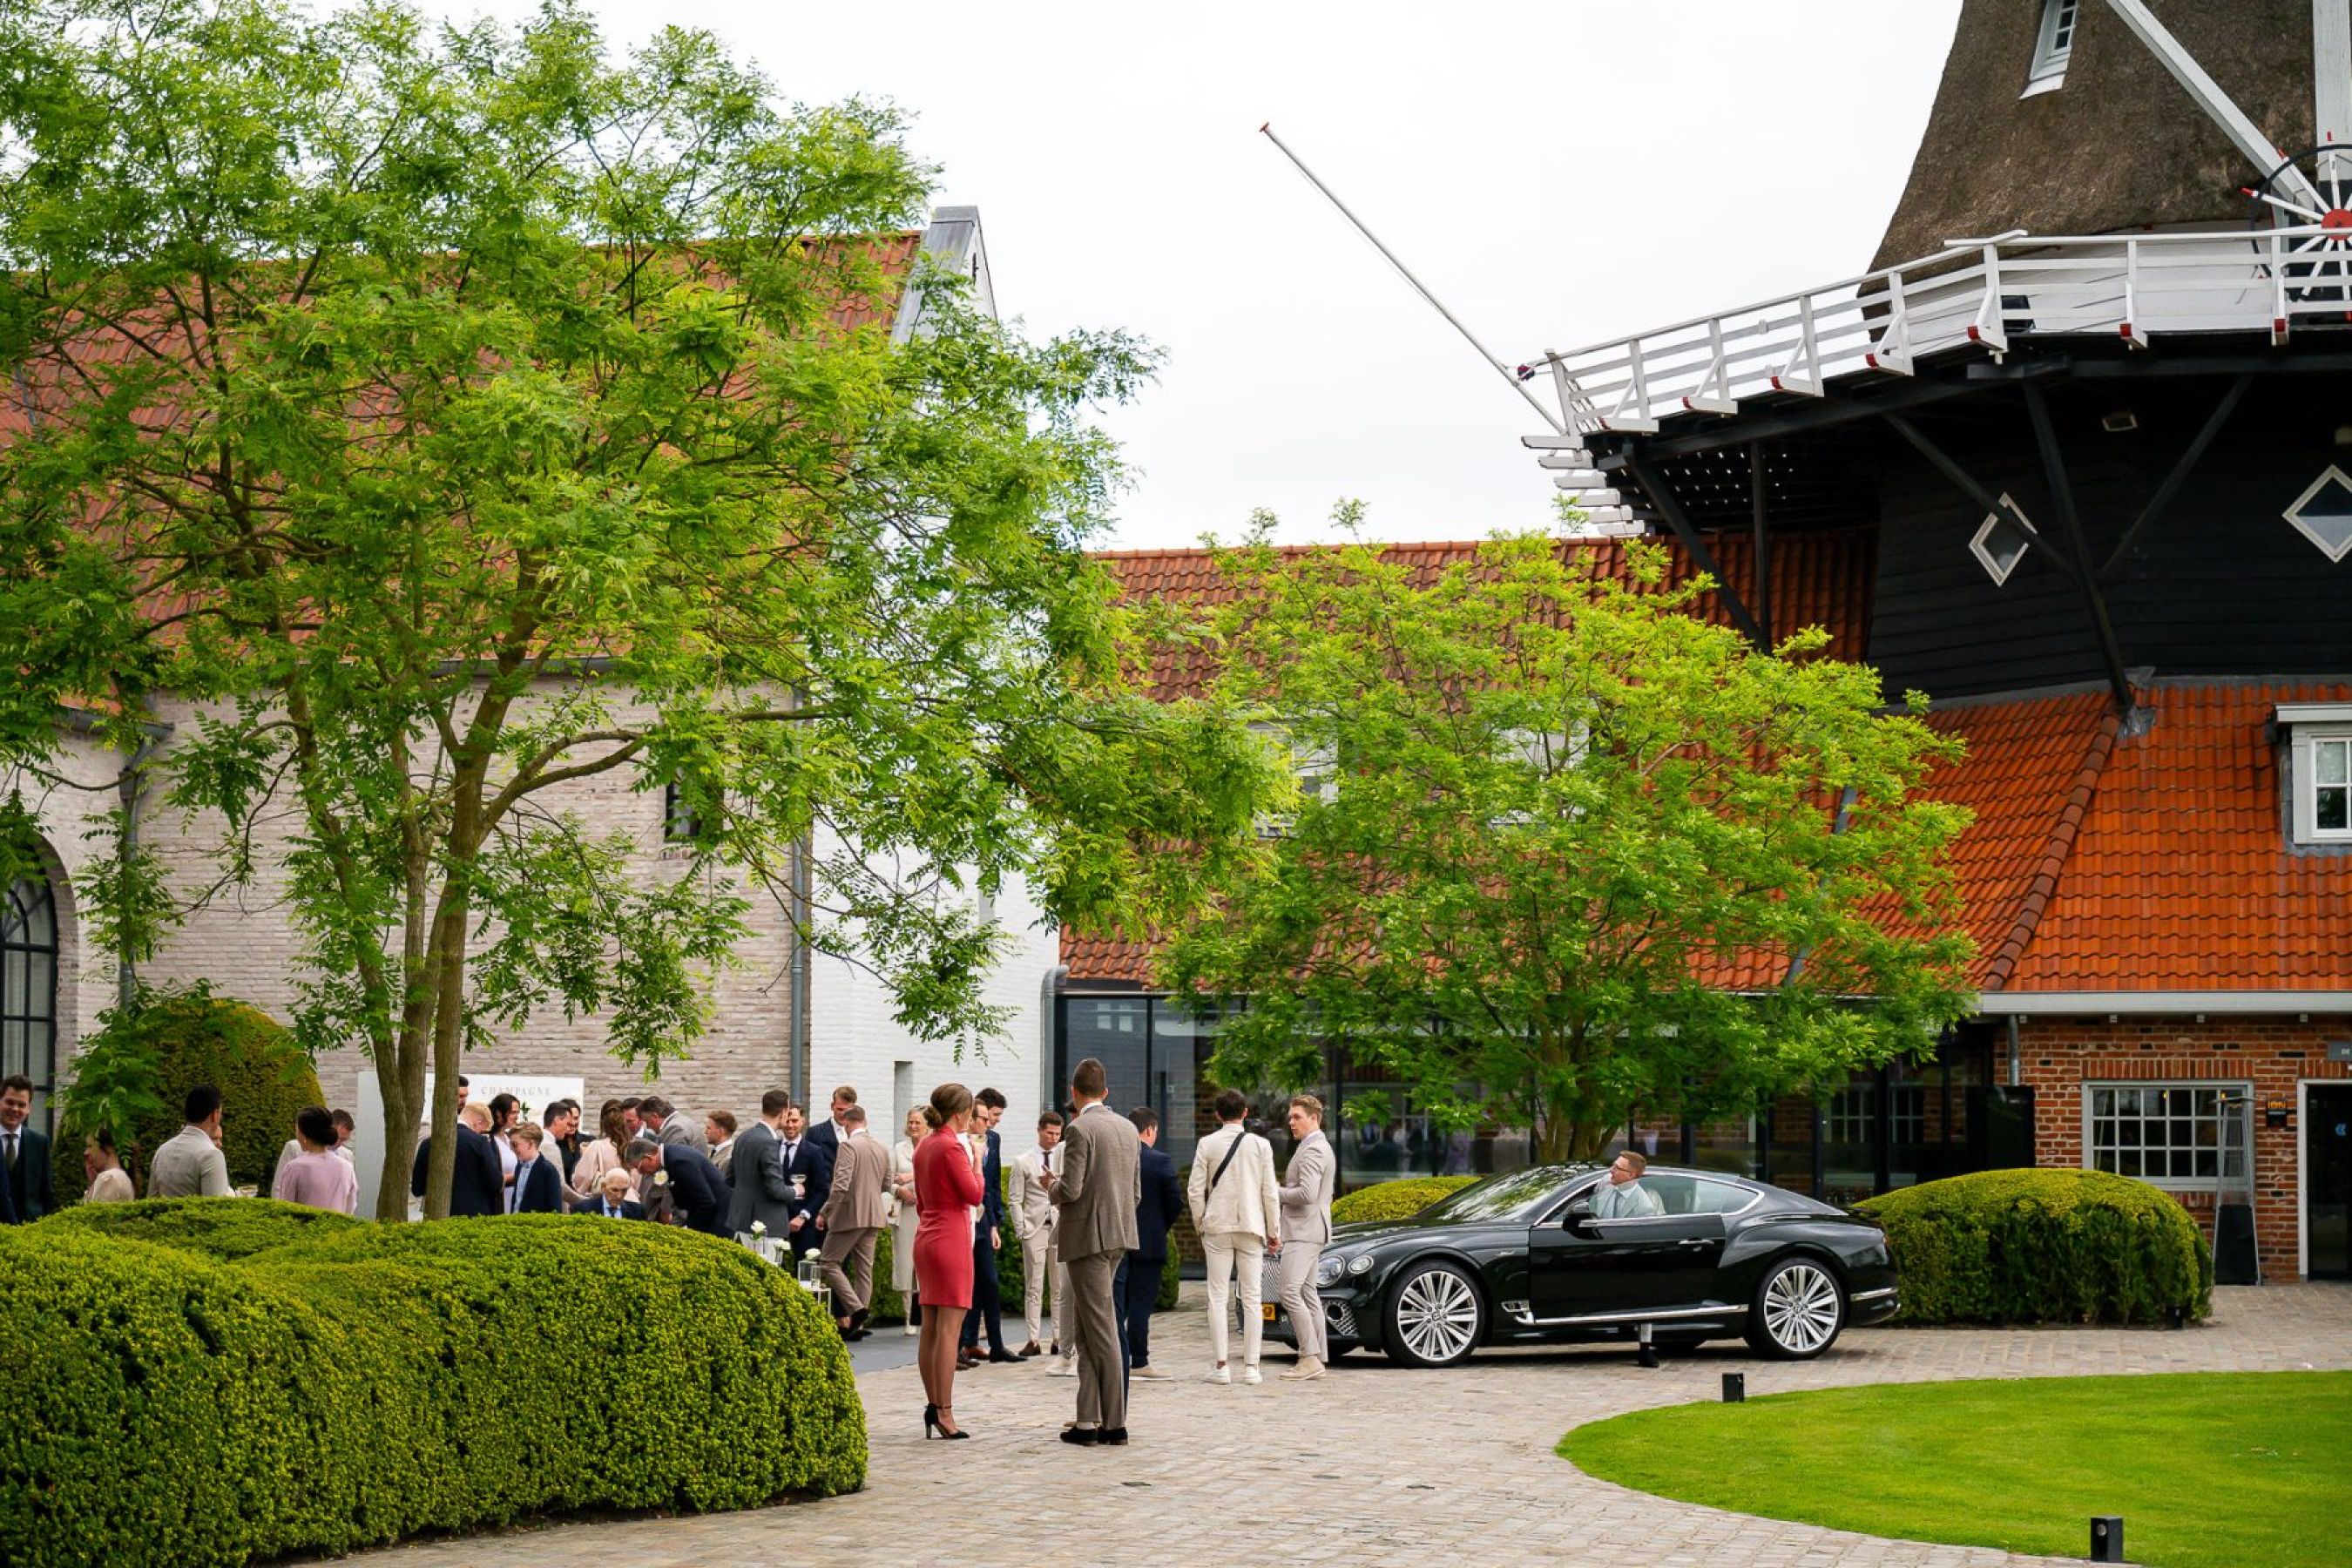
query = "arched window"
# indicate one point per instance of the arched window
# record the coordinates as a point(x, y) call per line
point(28, 984)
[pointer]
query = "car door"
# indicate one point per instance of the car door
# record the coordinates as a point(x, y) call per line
point(1583, 1267)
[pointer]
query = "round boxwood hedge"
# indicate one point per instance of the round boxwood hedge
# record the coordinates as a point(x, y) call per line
point(188, 1392)
point(1400, 1199)
point(166, 1045)
point(2044, 1247)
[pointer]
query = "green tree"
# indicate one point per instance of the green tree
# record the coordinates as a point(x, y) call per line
point(1561, 844)
point(453, 415)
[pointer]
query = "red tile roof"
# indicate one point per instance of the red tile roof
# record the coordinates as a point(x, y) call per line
point(1817, 579)
point(2098, 860)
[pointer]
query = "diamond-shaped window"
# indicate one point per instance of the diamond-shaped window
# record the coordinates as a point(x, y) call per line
point(2324, 513)
point(2000, 544)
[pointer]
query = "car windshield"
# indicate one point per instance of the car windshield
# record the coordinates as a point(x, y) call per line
point(1506, 1196)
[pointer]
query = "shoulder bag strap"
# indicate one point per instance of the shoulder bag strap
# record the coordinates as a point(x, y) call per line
point(1232, 1149)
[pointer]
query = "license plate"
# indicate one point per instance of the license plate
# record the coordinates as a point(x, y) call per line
point(1268, 1311)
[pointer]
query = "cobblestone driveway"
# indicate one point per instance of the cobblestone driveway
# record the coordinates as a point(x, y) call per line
point(1372, 1465)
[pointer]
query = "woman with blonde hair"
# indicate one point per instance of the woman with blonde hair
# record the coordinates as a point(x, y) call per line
point(604, 1154)
point(946, 1186)
point(902, 1218)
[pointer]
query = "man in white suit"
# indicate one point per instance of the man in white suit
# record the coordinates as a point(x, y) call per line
point(1236, 1212)
point(1305, 1231)
point(1034, 1222)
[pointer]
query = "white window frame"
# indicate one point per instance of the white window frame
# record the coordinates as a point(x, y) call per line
point(2054, 46)
point(1316, 769)
point(2310, 743)
point(2192, 1182)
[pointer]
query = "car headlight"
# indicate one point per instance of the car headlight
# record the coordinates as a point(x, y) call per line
point(1328, 1271)
point(1360, 1264)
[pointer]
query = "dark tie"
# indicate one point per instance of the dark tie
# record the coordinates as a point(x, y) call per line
point(792, 1152)
point(12, 1150)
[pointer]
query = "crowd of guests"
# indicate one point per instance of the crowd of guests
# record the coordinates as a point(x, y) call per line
point(1093, 1205)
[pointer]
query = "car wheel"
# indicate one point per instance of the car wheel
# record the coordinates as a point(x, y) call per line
point(1798, 1312)
point(1435, 1317)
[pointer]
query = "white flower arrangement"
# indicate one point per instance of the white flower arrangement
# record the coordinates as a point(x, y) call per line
point(661, 1178)
point(759, 1227)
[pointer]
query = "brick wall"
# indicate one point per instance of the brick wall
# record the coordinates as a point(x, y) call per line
point(245, 943)
point(2058, 1056)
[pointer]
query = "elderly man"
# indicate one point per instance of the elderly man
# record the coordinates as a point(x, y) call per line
point(614, 1201)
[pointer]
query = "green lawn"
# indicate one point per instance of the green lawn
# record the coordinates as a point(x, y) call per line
point(2210, 1470)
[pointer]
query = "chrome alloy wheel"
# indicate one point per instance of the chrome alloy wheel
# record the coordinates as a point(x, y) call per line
point(1437, 1315)
point(1802, 1310)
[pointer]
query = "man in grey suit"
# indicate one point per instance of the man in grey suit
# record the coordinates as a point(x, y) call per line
point(1097, 1189)
point(1305, 1231)
point(761, 1193)
point(855, 1210)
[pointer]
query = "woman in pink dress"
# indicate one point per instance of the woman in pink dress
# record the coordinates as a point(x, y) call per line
point(946, 1186)
point(315, 1176)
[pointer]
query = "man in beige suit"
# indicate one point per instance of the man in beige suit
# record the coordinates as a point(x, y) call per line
point(1096, 1188)
point(854, 1214)
point(1237, 1213)
point(1035, 1222)
point(1305, 1230)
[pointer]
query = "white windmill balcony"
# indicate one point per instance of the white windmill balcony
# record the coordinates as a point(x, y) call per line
point(1979, 292)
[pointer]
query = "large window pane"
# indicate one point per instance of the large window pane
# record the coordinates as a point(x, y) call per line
point(1114, 1031)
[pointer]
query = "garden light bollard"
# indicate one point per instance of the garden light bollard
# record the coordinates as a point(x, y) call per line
point(1735, 1388)
point(2106, 1538)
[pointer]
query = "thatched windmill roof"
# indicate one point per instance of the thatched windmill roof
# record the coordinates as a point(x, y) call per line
point(2120, 145)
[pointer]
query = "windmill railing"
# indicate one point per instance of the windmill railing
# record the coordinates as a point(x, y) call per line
point(1986, 293)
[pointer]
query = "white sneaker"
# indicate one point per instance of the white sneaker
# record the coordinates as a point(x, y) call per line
point(913, 1329)
point(1148, 1373)
point(1251, 1374)
point(1307, 1369)
point(1217, 1374)
point(1063, 1369)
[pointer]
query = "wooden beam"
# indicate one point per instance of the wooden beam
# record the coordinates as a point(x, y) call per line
point(2166, 492)
point(2258, 149)
point(2070, 522)
point(1763, 547)
point(1969, 485)
point(1813, 414)
point(1670, 509)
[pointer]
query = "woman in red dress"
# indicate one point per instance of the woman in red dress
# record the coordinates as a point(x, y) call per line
point(946, 1186)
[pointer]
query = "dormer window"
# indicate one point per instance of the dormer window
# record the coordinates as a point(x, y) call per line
point(2052, 47)
point(2320, 747)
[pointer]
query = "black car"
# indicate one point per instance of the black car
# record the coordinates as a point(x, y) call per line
point(1521, 1258)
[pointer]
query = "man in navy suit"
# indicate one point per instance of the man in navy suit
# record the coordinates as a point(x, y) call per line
point(695, 1188)
point(827, 1133)
point(987, 1299)
point(1155, 1212)
point(538, 1181)
point(25, 1152)
point(807, 1166)
point(478, 1182)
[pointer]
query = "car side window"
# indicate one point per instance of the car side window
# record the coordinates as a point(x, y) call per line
point(1672, 1193)
point(1718, 1197)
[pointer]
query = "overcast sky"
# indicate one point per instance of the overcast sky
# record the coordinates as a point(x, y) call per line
point(1557, 173)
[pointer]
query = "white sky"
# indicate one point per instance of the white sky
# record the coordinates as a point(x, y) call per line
point(1557, 173)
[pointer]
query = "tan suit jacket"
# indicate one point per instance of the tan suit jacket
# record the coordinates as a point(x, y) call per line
point(860, 1197)
point(188, 1166)
point(1032, 1202)
point(1245, 1199)
point(1306, 1192)
point(1100, 1183)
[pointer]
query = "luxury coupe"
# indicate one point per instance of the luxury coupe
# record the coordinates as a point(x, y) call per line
point(1520, 1258)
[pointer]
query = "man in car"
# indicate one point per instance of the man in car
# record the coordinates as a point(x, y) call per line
point(1623, 1196)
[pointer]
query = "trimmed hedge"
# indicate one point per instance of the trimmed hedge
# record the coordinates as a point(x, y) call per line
point(187, 1394)
point(2044, 1247)
point(166, 1045)
point(1400, 1199)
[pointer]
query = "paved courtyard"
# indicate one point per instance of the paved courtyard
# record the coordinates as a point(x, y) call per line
point(1372, 1465)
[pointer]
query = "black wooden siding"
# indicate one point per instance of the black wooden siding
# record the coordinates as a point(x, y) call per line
point(2223, 585)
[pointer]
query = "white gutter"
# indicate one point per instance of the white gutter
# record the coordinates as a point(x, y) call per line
point(2137, 1003)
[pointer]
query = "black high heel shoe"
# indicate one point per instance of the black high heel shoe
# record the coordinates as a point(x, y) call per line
point(932, 1428)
